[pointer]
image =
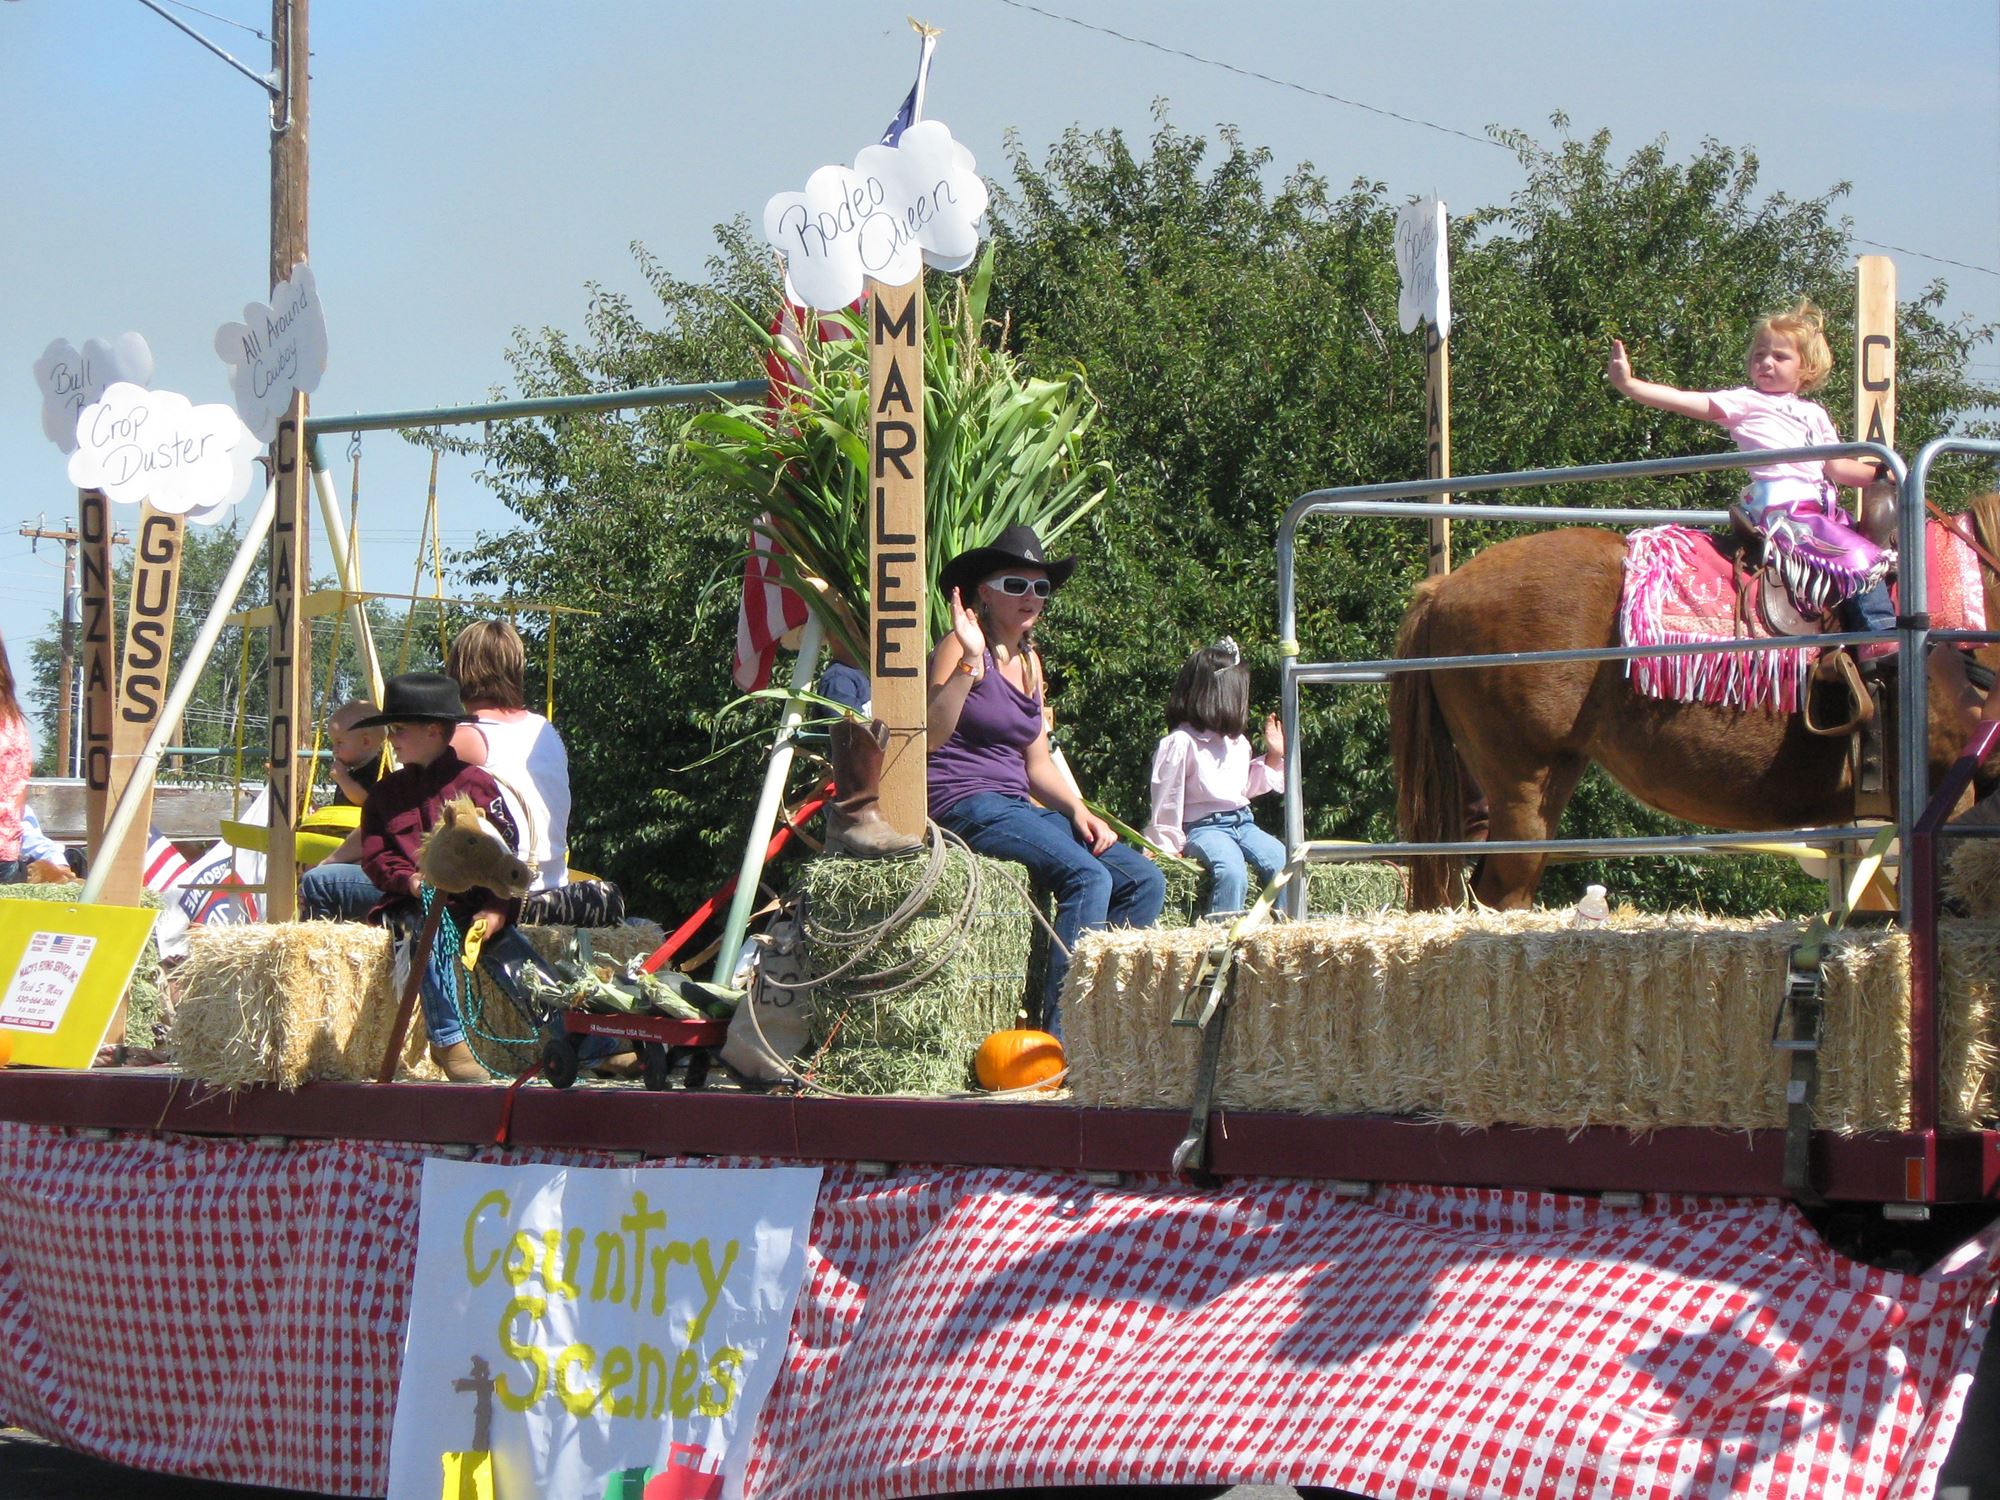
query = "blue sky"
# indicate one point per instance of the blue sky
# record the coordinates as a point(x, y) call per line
point(476, 165)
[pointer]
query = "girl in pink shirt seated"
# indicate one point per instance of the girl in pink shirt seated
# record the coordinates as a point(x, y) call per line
point(1792, 503)
point(1204, 777)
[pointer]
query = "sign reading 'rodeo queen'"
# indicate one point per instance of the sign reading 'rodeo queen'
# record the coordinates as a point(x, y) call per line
point(897, 209)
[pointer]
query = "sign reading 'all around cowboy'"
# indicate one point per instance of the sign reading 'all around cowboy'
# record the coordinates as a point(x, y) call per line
point(588, 1328)
point(278, 348)
point(897, 209)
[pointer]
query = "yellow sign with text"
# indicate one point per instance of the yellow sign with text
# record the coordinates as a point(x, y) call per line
point(63, 970)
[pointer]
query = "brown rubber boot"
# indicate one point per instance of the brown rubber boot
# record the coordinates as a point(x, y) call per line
point(855, 826)
point(459, 1065)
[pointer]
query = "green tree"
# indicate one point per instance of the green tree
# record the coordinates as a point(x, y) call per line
point(616, 520)
point(1242, 339)
point(1239, 333)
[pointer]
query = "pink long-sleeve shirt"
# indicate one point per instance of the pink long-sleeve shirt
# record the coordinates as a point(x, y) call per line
point(1197, 772)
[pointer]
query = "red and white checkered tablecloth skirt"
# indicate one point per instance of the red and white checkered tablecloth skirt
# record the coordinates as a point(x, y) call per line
point(235, 1311)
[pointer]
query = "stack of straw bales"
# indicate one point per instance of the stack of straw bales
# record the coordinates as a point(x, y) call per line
point(291, 1003)
point(1485, 1019)
point(922, 1041)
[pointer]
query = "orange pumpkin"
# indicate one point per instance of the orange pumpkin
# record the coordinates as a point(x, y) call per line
point(1018, 1060)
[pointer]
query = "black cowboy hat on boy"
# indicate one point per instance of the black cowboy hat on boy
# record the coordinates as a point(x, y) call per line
point(418, 698)
point(1016, 547)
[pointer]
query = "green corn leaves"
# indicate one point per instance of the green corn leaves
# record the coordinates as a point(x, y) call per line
point(1000, 449)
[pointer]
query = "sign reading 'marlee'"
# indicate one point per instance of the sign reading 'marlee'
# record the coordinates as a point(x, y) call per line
point(874, 227)
point(581, 1331)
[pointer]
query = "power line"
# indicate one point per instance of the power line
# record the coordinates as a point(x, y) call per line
point(1373, 109)
point(1283, 83)
point(225, 20)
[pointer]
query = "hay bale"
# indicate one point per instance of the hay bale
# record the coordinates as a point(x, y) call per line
point(146, 1003)
point(1521, 1018)
point(1971, 876)
point(287, 1003)
point(1352, 888)
point(921, 1041)
point(290, 1003)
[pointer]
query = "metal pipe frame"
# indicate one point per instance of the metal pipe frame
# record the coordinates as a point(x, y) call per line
point(540, 406)
point(1391, 501)
point(1920, 816)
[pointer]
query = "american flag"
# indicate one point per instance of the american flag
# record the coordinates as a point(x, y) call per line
point(164, 863)
point(769, 610)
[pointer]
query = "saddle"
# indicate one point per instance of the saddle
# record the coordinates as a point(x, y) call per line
point(1844, 700)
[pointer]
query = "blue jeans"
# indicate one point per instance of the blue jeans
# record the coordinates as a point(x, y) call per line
point(442, 1018)
point(1118, 888)
point(336, 893)
point(844, 684)
point(1869, 610)
point(1230, 845)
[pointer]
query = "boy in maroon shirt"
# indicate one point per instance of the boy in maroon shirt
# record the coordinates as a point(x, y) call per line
point(420, 710)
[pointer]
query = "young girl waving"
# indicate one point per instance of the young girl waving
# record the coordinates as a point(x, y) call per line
point(1792, 503)
point(1204, 776)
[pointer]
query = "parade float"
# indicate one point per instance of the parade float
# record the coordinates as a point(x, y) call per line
point(1332, 1195)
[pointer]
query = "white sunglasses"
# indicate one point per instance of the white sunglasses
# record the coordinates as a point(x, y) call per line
point(1014, 585)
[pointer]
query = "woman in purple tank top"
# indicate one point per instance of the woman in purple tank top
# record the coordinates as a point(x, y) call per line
point(989, 752)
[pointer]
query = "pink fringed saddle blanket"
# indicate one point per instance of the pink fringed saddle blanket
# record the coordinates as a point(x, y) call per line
point(1679, 591)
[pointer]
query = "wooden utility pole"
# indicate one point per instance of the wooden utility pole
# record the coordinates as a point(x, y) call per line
point(291, 549)
point(66, 672)
point(896, 549)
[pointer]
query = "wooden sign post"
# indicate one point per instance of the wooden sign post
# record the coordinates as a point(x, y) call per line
point(1875, 351)
point(896, 549)
point(1437, 438)
point(142, 685)
point(100, 666)
point(1424, 270)
point(291, 659)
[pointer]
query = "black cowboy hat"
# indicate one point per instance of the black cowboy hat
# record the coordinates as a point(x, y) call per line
point(418, 698)
point(1016, 547)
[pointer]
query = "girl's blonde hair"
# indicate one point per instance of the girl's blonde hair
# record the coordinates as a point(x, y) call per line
point(1806, 328)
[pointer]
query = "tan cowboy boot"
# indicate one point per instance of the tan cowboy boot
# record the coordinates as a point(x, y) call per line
point(854, 822)
point(459, 1065)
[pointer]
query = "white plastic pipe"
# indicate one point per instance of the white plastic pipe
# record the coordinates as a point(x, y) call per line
point(347, 569)
point(775, 776)
point(127, 811)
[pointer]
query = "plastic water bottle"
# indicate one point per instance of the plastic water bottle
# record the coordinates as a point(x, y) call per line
point(1593, 910)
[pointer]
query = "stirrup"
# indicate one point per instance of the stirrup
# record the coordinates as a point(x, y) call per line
point(1847, 675)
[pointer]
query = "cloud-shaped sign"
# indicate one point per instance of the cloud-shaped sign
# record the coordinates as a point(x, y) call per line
point(72, 379)
point(278, 348)
point(1421, 262)
point(896, 209)
point(139, 445)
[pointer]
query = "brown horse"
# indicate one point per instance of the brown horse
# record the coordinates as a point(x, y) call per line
point(1526, 734)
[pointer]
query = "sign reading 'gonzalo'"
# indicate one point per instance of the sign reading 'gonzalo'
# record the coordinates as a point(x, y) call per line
point(897, 209)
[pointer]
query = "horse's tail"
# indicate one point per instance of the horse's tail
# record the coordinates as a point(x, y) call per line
point(1430, 804)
